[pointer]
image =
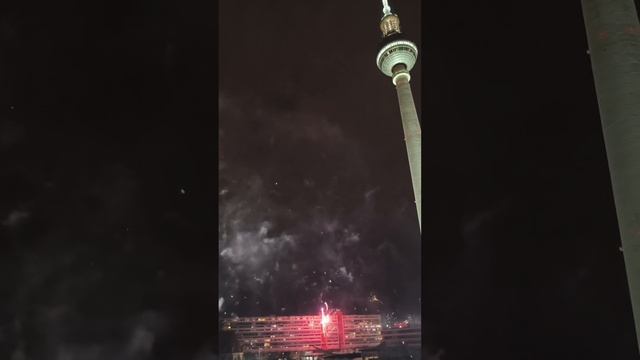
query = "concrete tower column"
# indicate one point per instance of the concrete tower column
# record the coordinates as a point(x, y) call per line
point(412, 135)
point(396, 58)
point(613, 33)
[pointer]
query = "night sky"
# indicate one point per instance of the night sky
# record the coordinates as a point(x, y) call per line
point(521, 246)
point(316, 203)
point(129, 144)
point(107, 187)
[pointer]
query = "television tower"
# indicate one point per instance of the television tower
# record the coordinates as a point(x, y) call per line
point(395, 59)
point(613, 34)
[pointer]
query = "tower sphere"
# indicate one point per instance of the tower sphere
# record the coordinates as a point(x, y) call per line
point(395, 50)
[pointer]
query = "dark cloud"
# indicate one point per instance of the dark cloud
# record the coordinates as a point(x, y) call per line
point(15, 218)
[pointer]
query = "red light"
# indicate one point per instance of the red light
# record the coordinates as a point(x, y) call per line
point(401, 325)
point(324, 318)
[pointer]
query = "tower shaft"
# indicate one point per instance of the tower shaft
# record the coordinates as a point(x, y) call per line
point(396, 58)
point(613, 33)
point(412, 138)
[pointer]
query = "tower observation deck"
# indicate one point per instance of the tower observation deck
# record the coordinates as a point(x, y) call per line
point(396, 58)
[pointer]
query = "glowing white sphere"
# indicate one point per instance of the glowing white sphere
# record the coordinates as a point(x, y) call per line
point(397, 52)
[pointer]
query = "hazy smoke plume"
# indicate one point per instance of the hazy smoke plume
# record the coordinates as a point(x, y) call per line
point(287, 241)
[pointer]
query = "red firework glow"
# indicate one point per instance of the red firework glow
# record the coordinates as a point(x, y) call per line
point(324, 321)
point(328, 326)
point(325, 318)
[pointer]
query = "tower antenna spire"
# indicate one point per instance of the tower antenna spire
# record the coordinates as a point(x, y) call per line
point(386, 9)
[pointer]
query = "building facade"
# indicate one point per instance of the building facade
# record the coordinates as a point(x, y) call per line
point(306, 334)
